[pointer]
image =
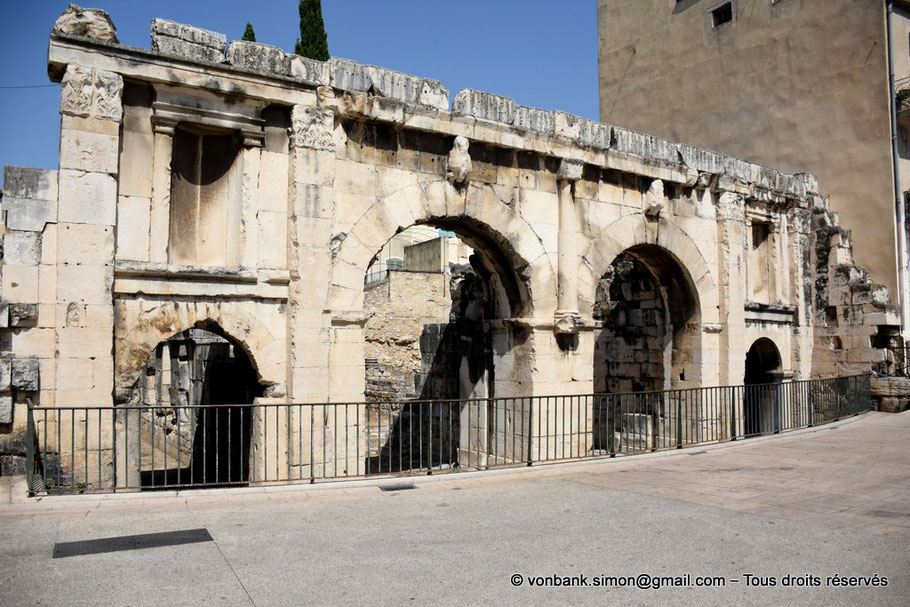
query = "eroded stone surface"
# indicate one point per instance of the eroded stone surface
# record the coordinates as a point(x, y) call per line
point(258, 57)
point(458, 165)
point(484, 105)
point(312, 128)
point(88, 22)
point(6, 408)
point(355, 77)
point(186, 41)
point(25, 374)
point(654, 202)
point(91, 93)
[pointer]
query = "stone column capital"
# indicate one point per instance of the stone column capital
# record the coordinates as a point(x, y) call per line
point(312, 127)
point(730, 206)
point(163, 126)
point(91, 93)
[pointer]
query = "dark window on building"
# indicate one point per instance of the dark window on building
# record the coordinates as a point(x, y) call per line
point(722, 14)
point(759, 234)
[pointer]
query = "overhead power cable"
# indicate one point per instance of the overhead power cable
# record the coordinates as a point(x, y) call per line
point(29, 86)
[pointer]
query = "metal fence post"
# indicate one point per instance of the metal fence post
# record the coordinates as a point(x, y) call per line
point(611, 432)
point(652, 415)
point(531, 431)
point(30, 441)
point(679, 423)
point(810, 398)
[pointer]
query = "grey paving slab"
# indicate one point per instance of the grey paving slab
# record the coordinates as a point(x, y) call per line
point(460, 540)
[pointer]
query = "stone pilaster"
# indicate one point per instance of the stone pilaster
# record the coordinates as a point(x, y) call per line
point(749, 270)
point(325, 346)
point(800, 284)
point(567, 317)
point(775, 294)
point(248, 253)
point(91, 111)
point(784, 261)
point(733, 240)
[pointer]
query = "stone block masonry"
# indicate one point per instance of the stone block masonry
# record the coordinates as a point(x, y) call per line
point(153, 226)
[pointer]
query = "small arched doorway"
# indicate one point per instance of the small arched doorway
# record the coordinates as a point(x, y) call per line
point(761, 392)
point(195, 424)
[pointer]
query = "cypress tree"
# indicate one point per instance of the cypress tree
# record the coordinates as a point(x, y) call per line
point(248, 33)
point(313, 42)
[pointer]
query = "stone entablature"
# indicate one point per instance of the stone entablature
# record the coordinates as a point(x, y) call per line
point(410, 100)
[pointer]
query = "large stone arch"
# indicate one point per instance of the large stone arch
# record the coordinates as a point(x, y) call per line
point(674, 259)
point(637, 230)
point(142, 333)
point(479, 216)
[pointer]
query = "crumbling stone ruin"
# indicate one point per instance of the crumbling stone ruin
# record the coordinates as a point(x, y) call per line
point(239, 190)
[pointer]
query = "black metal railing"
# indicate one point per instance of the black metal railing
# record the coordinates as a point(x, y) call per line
point(84, 449)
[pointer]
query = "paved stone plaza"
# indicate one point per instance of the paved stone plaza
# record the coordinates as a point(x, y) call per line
point(822, 502)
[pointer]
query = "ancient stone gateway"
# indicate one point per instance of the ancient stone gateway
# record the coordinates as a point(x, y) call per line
point(243, 193)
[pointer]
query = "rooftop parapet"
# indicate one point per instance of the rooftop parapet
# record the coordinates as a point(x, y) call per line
point(177, 39)
point(266, 59)
point(184, 42)
point(352, 76)
point(605, 137)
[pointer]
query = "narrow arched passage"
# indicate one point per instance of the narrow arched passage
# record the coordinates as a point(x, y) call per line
point(647, 316)
point(194, 426)
point(762, 398)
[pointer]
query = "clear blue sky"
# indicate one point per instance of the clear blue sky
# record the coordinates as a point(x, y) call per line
point(542, 53)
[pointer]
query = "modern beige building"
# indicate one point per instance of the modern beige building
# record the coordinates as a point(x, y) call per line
point(803, 85)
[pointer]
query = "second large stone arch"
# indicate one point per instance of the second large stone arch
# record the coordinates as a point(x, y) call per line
point(652, 298)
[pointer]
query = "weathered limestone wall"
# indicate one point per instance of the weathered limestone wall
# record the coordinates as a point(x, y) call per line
point(394, 328)
point(633, 344)
point(331, 160)
point(91, 112)
point(28, 304)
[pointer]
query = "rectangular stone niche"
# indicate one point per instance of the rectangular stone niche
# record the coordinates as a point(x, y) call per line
point(206, 183)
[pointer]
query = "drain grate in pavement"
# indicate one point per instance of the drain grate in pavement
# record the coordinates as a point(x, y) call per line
point(401, 487)
point(131, 542)
point(696, 453)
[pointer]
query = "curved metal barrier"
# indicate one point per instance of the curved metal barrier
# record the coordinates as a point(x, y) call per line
point(86, 449)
